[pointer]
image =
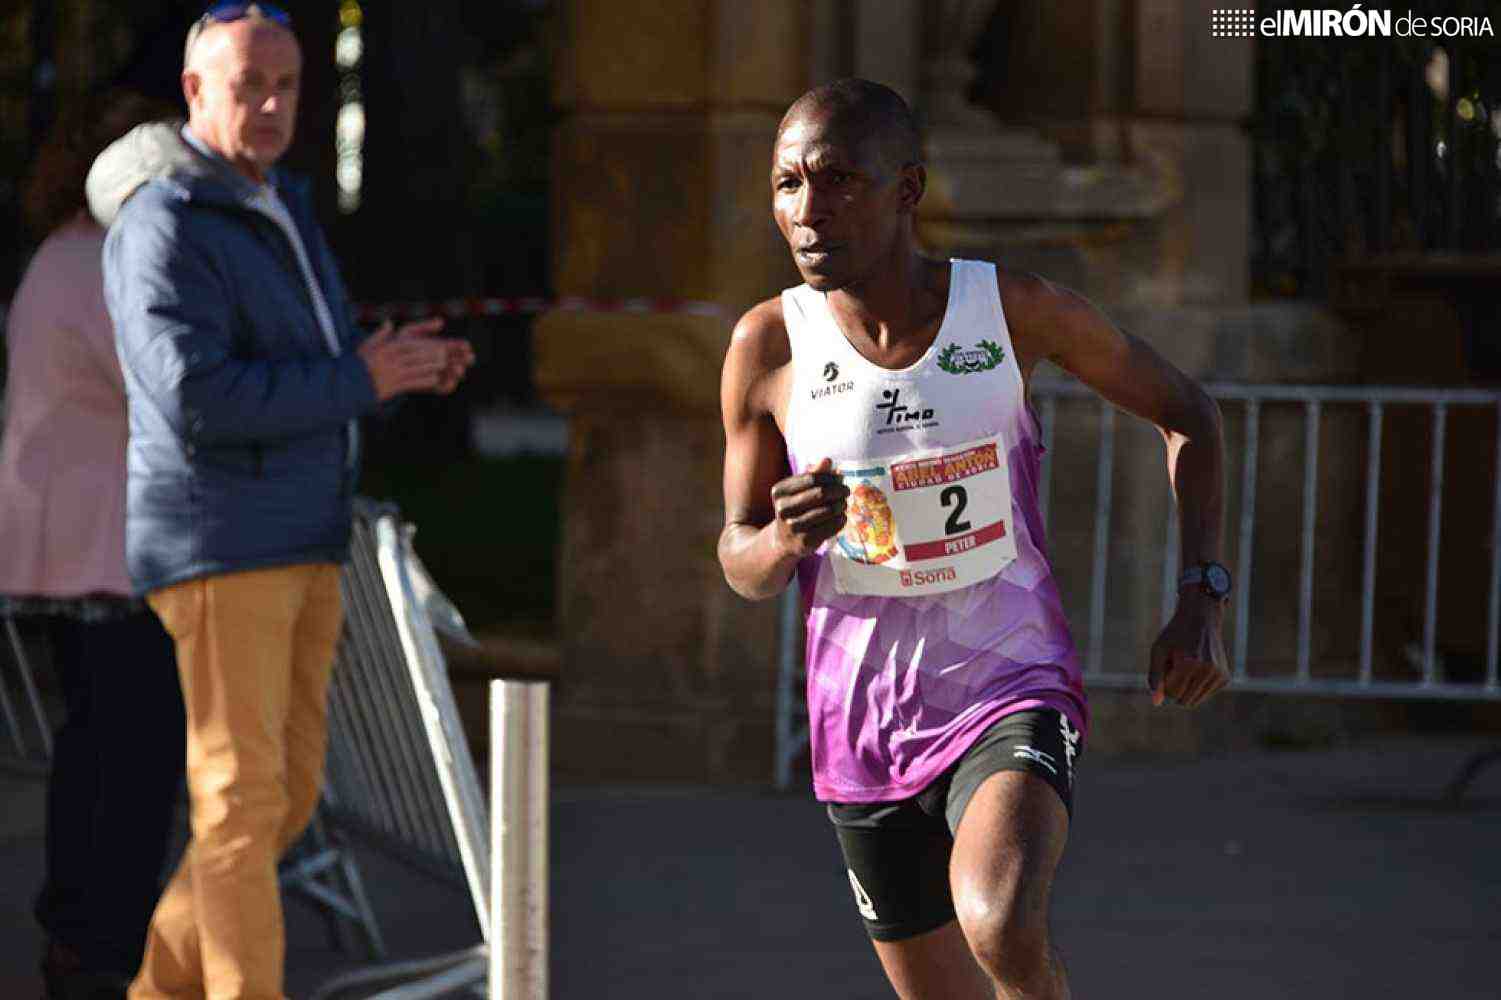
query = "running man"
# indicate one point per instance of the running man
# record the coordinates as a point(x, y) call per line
point(879, 444)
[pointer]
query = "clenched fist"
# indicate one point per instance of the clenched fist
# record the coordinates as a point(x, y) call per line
point(810, 508)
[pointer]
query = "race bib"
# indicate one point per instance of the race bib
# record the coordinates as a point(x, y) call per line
point(925, 523)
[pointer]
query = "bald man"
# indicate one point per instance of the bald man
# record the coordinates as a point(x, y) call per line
point(245, 379)
point(880, 446)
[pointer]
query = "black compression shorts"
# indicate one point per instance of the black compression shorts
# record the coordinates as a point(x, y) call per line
point(897, 853)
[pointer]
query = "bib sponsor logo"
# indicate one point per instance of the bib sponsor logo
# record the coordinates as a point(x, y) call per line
point(925, 577)
point(899, 416)
point(869, 534)
point(944, 469)
point(982, 357)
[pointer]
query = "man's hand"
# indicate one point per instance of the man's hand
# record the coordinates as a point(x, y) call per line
point(459, 358)
point(1188, 659)
point(412, 360)
point(810, 509)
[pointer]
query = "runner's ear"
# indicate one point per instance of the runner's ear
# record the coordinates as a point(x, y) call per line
point(912, 184)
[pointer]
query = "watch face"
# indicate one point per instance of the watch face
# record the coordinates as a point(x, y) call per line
point(1217, 578)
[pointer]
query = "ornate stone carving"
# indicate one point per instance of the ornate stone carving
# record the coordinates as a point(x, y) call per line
point(984, 172)
point(949, 71)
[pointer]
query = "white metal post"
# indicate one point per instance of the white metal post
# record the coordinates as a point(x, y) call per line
point(518, 839)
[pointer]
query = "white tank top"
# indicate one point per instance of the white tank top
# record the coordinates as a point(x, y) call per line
point(934, 612)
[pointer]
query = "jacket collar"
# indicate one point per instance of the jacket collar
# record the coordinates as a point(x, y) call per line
point(167, 152)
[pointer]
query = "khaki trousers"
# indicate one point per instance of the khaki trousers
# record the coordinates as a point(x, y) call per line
point(254, 651)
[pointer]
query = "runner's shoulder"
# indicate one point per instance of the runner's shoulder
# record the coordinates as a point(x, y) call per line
point(1026, 291)
point(1038, 312)
point(760, 343)
point(757, 364)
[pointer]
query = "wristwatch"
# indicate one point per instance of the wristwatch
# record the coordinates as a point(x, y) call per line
point(1212, 579)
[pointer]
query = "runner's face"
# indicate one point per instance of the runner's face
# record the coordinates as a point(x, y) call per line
point(838, 207)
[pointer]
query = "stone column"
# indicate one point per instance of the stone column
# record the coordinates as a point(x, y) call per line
point(1193, 94)
point(660, 177)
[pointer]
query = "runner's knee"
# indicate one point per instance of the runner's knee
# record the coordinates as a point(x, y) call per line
point(1007, 929)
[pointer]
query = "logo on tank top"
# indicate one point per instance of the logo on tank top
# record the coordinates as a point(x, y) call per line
point(900, 417)
point(835, 388)
point(982, 357)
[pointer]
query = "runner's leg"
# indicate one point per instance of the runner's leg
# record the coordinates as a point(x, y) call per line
point(934, 966)
point(898, 860)
point(1006, 852)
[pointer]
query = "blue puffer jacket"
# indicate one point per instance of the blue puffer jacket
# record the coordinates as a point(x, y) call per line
point(240, 452)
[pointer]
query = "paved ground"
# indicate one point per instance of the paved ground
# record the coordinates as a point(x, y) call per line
point(1291, 875)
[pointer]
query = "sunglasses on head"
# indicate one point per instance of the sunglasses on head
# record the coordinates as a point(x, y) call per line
point(225, 13)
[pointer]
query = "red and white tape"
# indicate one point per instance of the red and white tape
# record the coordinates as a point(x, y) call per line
point(525, 305)
point(530, 305)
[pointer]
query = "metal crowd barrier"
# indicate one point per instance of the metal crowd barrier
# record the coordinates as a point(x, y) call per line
point(401, 776)
point(1315, 403)
point(1426, 678)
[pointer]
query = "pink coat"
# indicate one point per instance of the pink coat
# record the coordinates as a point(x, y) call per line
point(62, 457)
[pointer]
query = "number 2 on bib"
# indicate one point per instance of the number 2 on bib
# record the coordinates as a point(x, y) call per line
point(956, 497)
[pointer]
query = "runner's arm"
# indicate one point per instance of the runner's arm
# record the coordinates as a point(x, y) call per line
point(1052, 323)
point(772, 518)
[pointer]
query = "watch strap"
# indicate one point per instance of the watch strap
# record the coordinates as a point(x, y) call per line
point(1191, 577)
point(1198, 576)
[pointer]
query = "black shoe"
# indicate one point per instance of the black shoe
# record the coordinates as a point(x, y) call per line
point(65, 978)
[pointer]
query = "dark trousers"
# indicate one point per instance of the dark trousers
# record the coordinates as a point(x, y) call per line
point(116, 771)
